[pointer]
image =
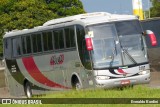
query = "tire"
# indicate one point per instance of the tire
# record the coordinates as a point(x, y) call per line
point(28, 90)
point(77, 85)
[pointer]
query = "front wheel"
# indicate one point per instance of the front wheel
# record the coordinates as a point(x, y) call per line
point(77, 85)
point(28, 90)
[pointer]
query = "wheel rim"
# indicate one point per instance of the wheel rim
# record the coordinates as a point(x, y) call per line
point(28, 92)
point(78, 86)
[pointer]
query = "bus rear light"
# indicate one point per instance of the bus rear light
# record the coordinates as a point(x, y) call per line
point(89, 43)
point(152, 37)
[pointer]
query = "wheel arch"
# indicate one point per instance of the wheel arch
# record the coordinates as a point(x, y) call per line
point(75, 76)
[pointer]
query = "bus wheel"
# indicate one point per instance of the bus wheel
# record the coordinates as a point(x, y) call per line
point(77, 85)
point(28, 90)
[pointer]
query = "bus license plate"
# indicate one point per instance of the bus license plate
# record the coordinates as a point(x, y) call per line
point(125, 82)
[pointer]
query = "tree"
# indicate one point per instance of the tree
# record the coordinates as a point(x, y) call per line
point(66, 7)
point(146, 14)
point(155, 9)
point(22, 14)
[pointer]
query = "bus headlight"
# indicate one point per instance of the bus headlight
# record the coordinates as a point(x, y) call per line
point(102, 77)
point(144, 72)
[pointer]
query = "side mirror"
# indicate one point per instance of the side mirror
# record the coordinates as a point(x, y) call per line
point(89, 43)
point(152, 37)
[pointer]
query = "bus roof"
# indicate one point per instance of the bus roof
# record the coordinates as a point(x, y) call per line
point(90, 18)
point(86, 19)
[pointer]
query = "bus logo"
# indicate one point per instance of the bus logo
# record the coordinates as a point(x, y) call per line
point(57, 60)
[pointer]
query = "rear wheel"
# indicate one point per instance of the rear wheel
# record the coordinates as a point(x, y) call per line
point(28, 90)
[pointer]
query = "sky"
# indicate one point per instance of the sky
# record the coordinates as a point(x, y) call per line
point(112, 6)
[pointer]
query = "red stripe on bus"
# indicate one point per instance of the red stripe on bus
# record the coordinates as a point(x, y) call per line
point(121, 71)
point(33, 70)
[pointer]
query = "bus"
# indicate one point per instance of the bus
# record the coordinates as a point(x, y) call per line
point(92, 50)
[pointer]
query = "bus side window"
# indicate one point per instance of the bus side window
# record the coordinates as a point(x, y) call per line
point(16, 47)
point(26, 44)
point(47, 41)
point(36, 43)
point(80, 37)
point(86, 58)
point(58, 39)
point(7, 48)
point(24, 47)
point(69, 37)
point(83, 53)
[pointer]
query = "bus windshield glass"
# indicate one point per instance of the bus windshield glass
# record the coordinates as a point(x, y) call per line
point(117, 44)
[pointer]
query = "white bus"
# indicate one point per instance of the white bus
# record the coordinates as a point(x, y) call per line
point(82, 51)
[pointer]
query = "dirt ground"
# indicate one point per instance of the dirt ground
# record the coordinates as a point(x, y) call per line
point(4, 93)
point(154, 83)
point(155, 79)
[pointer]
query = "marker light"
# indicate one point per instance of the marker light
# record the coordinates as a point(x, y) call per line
point(152, 37)
point(89, 43)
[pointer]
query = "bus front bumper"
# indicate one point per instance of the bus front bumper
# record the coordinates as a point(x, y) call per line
point(120, 82)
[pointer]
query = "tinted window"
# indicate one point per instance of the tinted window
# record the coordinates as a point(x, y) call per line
point(7, 48)
point(6, 44)
point(24, 47)
point(69, 36)
point(16, 43)
point(58, 39)
point(26, 44)
point(47, 41)
point(83, 53)
point(128, 27)
point(37, 43)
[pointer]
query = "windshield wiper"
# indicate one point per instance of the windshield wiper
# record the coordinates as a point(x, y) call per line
point(126, 52)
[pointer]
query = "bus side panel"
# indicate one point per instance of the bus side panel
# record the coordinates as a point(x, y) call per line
point(15, 88)
point(28, 77)
point(74, 67)
point(61, 71)
point(38, 71)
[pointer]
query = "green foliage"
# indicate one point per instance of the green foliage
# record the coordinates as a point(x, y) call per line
point(155, 9)
point(146, 14)
point(66, 7)
point(22, 14)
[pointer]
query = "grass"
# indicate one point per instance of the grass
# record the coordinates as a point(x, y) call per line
point(135, 92)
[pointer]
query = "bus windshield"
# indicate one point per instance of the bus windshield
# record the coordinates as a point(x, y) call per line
point(117, 44)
